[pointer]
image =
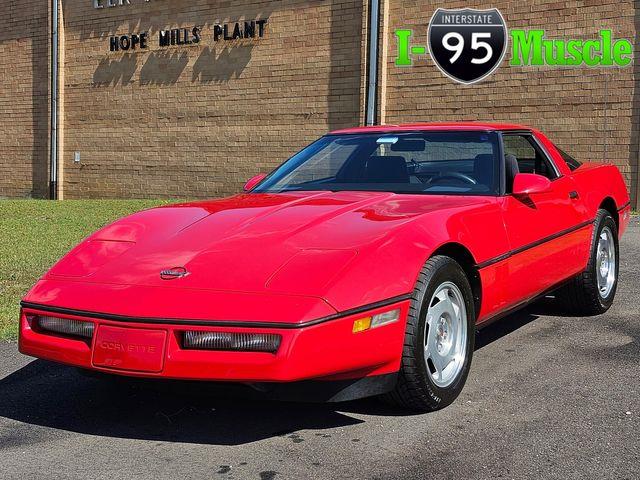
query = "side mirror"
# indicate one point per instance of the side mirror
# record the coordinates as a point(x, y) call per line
point(528, 183)
point(254, 181)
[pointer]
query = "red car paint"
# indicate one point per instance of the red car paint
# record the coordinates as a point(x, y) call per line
point(305, 265)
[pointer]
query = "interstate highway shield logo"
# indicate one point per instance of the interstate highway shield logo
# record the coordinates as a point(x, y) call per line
point(467, 45)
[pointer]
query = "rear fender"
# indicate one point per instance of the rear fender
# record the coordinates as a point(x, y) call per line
point(599, 184)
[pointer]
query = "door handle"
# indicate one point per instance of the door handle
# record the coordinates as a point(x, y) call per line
point(573, 195)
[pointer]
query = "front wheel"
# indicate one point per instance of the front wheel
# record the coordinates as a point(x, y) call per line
point(439, 339)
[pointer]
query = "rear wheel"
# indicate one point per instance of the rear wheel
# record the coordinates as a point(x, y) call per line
point(439, 338)
point(592, 292)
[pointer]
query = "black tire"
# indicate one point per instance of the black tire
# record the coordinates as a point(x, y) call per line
point(415, 389)
point(581, 296)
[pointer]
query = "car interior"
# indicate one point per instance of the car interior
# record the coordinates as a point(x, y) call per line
point(522, 155)
point(424, 165)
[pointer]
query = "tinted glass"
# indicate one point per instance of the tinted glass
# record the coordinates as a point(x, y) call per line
point(530, 158)
point(571, 162)
point(425, 162)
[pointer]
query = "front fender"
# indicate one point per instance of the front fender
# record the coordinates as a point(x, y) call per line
point(390, 266)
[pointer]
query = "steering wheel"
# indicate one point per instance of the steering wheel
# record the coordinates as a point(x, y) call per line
point(457, 176)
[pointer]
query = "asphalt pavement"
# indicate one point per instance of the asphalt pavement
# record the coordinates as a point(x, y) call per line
point(548, 396)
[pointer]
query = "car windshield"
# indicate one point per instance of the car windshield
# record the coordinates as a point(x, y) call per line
point(415, 162)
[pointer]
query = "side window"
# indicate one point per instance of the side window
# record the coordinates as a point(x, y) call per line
point(571, 162)
point(530, 158)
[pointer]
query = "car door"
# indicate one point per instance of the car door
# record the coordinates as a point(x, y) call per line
point(549, 234)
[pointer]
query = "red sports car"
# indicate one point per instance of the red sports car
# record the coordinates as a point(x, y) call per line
point(363, 264)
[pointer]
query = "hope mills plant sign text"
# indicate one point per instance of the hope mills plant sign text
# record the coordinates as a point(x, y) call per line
point(189, 36)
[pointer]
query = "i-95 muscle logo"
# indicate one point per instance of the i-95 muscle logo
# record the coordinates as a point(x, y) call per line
point(467, 45)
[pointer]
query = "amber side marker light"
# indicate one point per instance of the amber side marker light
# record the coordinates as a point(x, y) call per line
point(378, 320)
point(239, 342)
point(63, 326)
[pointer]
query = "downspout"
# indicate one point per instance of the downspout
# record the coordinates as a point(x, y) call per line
point(53, 142)
point(372, 62)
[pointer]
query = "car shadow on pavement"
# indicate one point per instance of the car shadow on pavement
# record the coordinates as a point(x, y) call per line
point(546, 306)
point(56, 396)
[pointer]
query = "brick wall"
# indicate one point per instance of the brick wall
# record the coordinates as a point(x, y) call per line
point(24, 100)
point(197, 121)
point(593, 113)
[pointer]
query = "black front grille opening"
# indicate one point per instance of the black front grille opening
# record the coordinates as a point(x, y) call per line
point(229, 341)
point(63, 327)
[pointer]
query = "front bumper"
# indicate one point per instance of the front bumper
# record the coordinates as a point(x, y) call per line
point(328, 350)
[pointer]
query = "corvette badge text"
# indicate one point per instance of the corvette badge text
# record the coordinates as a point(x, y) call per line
point(128, 347)
point(467, 45)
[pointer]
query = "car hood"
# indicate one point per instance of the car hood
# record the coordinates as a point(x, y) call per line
point(295, 243)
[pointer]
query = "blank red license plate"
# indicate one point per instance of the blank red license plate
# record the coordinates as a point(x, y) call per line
point(129, 349)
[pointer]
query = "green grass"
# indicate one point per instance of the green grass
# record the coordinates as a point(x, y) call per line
point(35, 233)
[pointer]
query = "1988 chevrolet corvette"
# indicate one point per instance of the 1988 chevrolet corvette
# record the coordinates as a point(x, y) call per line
point(365, 263)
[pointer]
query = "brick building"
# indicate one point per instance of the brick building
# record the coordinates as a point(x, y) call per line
point(196, 118)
